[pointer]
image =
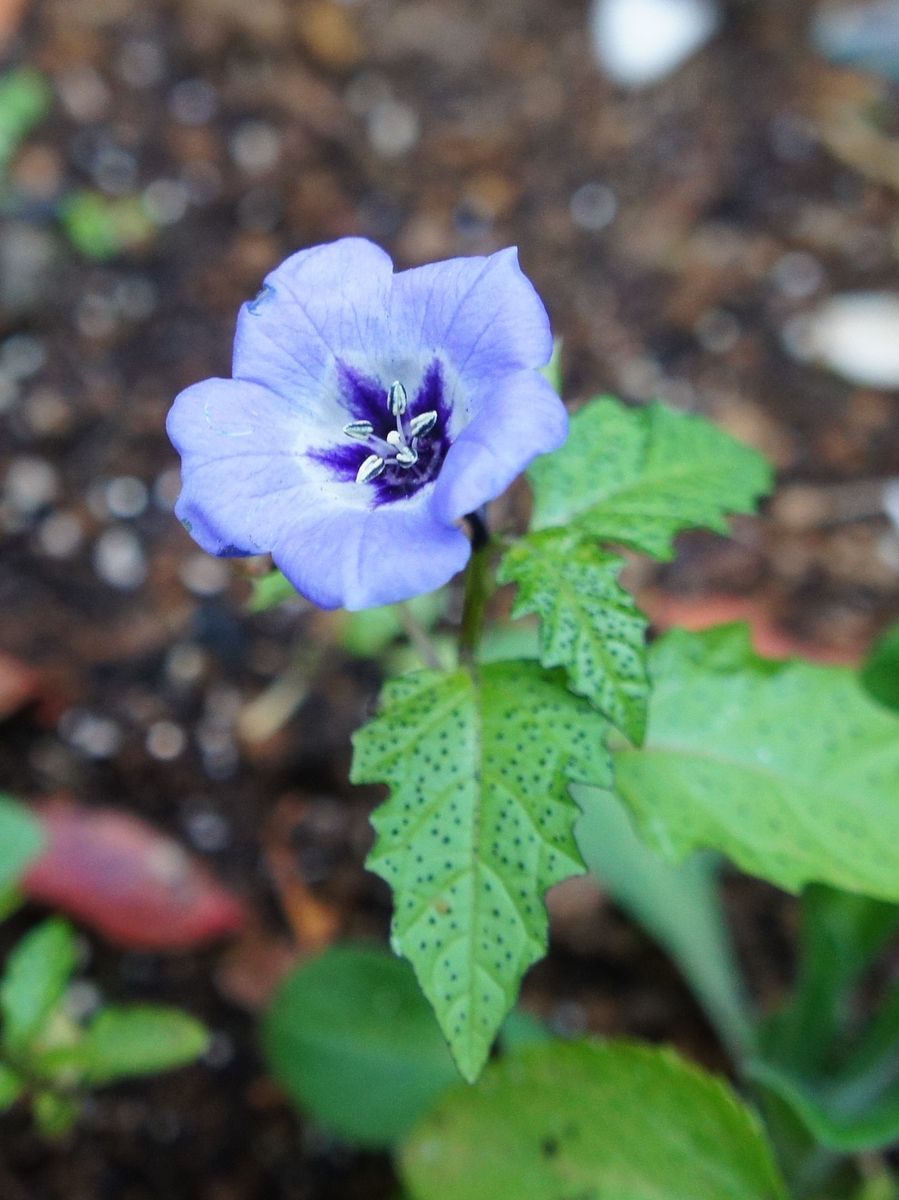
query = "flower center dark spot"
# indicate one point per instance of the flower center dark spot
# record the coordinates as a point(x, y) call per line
point(393, 444)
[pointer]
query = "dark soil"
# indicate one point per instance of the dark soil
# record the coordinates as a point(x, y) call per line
point(436, 127)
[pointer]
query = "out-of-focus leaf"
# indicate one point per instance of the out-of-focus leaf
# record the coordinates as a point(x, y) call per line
point(36, 975)
point(354, 1043)
point(138, 1039)
point(24, 101)
point(583, 1119)
point(21, 840)
point(269, 591)
point(11, 1087)
point(101, 227)
point(880, 674)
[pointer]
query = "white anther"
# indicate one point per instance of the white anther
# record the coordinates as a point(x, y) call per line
point(397, 401)
point(360, 430)
point(423, 424)
point(370, 469)
point(407, 457)
point(396, 439)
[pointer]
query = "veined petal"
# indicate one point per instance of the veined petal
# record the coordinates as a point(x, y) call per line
point(320, 305)
point(242, 454)
point(343, 558)
point(482, 313)
point(522, 419)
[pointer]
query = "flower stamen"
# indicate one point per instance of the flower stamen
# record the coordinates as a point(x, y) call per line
point(373, 466)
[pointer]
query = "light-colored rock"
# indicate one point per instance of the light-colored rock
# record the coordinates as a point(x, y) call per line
point(855, 334)
point(639, 42)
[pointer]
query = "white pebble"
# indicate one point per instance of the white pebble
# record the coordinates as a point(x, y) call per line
point(165, 740)
point(165, 201)
point(393, 128)
point(184, 664)
point(798, 275)
point(639, 42)
point(593, 206)
point(204, 575)
point(119, 558)
point(255, 146)
point(91, 734)
point(31, 484)
point(60, 535)
point(126, 496)
point(855, 335)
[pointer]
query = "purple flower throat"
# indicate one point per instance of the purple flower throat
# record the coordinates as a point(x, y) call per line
point(395, 445)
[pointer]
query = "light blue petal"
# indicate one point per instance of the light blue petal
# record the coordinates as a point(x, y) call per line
point(328, 302)
point(523, 418)
point(341, 558)
point(482, 314)
point(242, 463)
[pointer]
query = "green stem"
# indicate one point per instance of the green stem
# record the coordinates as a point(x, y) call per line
point(477, 593)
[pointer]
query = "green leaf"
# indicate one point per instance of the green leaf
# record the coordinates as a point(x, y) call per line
point(353, 1042)
point(25, 97)
point(139, 1039)
point(584, 1119)
point(35, 978)
point(11, 1087)
point(21, 840)
point(269, 591)
point(639, 476)
point(880, 674)
point(370, 631)
point(588, 623)
point(101, 227)
point(478, 826)
point(55, 1113)
point(679, 906)
point(787, 768)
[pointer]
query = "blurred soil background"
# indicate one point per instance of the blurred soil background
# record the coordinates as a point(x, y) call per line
point(684, 236)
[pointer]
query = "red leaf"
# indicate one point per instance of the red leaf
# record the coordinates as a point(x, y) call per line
point(128, 881)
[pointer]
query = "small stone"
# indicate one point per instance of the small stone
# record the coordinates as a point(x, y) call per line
point(255, 147)
point(126, 496)
point(855, 335)
point(60, 535)
point(593, 206)
point(93, 735)
point(393, 128)
point(141, 63)
point(204, 575)
point(165, 740)
point(31, 484)
point(119, 559)
point(640, 42)
point(165, 201)
point(798, 275)
point(185, 664)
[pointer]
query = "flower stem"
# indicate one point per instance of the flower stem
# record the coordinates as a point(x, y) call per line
point(477, 592)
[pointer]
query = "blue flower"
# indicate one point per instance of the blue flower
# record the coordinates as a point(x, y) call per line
point(368, 413)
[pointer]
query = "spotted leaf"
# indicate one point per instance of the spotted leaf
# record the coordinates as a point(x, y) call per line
point(477, 827)
point(787, 768)
point(588, 623)
point(637, 476)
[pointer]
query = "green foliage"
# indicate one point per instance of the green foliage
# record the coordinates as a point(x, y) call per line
point(269, 591)
point(139, 1039)
point(12, 1085)
point(583, 1119)
point(101, 227)
point(880, 674)
point(354, 1043)
point(24, 101)
point(787, 768)
point(842, 1081)
point(50, 1059)
point(21, 840)
point(36, 975)
point(637, 476)
point(679, 906)
point(478, 826)
point(588, 623)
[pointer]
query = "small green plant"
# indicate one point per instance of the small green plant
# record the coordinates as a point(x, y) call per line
point(370, 419)
point(51, 1059)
